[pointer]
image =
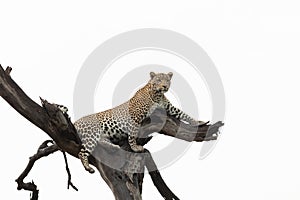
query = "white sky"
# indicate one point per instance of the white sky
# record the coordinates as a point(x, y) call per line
point(255, 46)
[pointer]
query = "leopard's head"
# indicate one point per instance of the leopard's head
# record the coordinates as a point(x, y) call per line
point(160, 82)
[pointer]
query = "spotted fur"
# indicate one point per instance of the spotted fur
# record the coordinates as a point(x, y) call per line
point(123, 121)
point(62, 108)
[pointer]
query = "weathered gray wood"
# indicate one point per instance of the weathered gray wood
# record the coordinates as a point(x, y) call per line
point(124, 185)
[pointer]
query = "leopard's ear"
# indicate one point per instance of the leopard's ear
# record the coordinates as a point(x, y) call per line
point(170, 74)
point(152, 74)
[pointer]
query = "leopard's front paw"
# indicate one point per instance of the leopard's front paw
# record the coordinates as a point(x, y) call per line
point(137, 148)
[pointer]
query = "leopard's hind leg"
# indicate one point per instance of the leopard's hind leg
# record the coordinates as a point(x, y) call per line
point(84, 157)
point(89, 143)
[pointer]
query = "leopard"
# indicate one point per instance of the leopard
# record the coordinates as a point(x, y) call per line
point(123, 121)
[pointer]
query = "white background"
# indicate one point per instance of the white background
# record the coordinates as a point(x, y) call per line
point(255, 46)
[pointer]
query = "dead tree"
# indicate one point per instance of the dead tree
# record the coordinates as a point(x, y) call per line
point(124, 183)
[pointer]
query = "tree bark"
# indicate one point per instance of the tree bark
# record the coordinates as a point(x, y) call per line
point(124, 184)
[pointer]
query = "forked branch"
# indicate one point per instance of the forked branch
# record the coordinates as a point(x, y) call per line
point(58, 126)
point(44, 150)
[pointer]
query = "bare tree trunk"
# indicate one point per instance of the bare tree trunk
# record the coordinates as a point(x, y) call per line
point(123, 183)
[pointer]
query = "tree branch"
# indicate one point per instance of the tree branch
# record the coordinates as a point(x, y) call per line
point(158, 181)
point(168, 125)
point(124, 183)
point(69, 173)
point(44, 150)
